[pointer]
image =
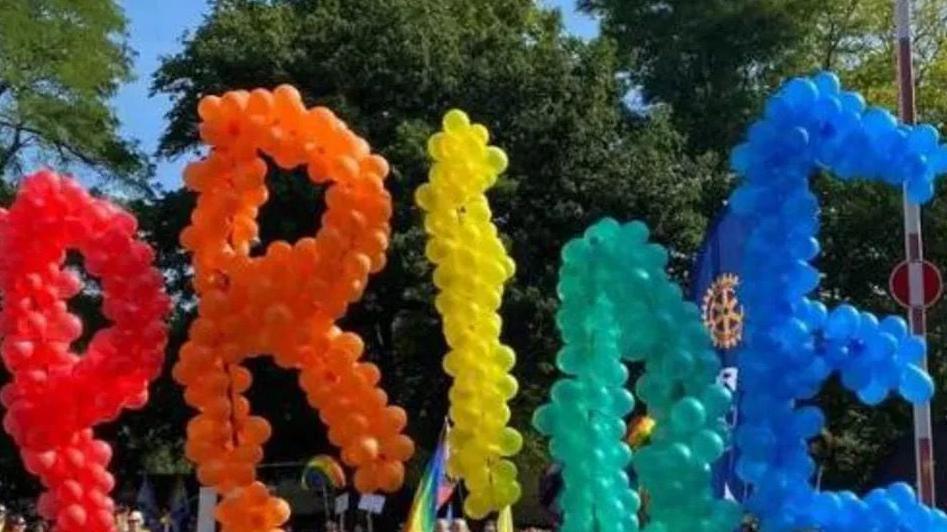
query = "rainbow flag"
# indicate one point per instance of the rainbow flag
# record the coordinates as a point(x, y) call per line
point(434, 490)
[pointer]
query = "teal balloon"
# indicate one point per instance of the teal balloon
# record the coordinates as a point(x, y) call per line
point(618, 306)
point(688, 414)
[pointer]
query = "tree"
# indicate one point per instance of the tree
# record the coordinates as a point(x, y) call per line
point(60, 62)
point(855, 38)
point(710, 61)
point(391, 68)
point(714, 62)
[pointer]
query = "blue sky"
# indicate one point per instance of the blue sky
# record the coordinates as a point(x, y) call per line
point(155, 30)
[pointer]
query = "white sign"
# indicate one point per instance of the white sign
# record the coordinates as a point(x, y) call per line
point(372, 503)
point(729, 377)
point(205, 510)
point(342, 503)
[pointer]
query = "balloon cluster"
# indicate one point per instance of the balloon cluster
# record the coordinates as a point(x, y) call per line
point(792, 343)
point(617, 304)
point(285, 302)
point(57, 396)
point(471, 268)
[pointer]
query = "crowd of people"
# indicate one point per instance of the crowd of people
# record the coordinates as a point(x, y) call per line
point(131, 520)
point(441, 525)
point(460, 525)
point(10, 522)
point(126, 520)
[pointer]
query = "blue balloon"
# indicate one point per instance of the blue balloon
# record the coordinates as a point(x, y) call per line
point(793, 344)
point(916, 385)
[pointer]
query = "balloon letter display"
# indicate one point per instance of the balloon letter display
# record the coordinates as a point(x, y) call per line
point(617, 305)
point(56, 396)
point(471, 268)
point(285, 302)
point(793, 343)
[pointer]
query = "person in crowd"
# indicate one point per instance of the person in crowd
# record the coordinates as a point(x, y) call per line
point(40, 526)
point(490, 526)
point(459, 525)
point(166, 521)
point(442, 525)
point(136, 522)
point(3, 518)
point(17, 523)
point(332, 526)
point(121, 518)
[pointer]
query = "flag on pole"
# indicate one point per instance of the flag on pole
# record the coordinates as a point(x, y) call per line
point(505, 521)
point(715, 287)
point(433, 491)
point(147, 504)
point(180, 507)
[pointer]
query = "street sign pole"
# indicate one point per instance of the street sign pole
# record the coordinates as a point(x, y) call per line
point(914, 250)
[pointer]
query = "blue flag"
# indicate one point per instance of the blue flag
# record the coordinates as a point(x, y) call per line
point(180, 507)
point(147, 504)
point(714, 282)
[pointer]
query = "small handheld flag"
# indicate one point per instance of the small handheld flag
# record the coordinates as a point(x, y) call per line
point(433, 491)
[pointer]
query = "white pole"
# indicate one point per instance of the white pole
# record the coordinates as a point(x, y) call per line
point(207, 500)
point(914, 249)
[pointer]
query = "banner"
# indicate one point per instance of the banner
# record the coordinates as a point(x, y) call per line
point(715, 282)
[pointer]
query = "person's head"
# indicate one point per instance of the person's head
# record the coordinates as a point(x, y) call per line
point(136, 521)
point(490, 526)
point(442, 525)
point(17, 523)
point(459, 525)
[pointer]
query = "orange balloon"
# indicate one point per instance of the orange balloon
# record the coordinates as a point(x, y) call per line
point(285, 302)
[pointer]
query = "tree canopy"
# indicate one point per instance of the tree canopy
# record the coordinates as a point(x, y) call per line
point(60, 63)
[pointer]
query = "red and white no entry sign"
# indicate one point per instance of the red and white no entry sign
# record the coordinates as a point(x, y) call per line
point(900, 288)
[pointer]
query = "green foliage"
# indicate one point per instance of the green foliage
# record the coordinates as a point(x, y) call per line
point(60, 62)
point(711, 61)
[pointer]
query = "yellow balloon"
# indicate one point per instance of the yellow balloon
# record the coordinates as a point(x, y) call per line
point(477, 505)
point(510, 442)
point(471, 267)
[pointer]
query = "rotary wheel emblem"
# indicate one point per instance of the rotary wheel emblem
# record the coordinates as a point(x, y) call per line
point(722, 312)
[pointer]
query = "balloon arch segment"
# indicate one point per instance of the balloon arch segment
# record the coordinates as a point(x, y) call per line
point(793, 342)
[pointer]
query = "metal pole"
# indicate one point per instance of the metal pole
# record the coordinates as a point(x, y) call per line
point(914, 249)
point(325, 502)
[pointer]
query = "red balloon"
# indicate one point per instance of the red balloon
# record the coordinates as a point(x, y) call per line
point(57, 396)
